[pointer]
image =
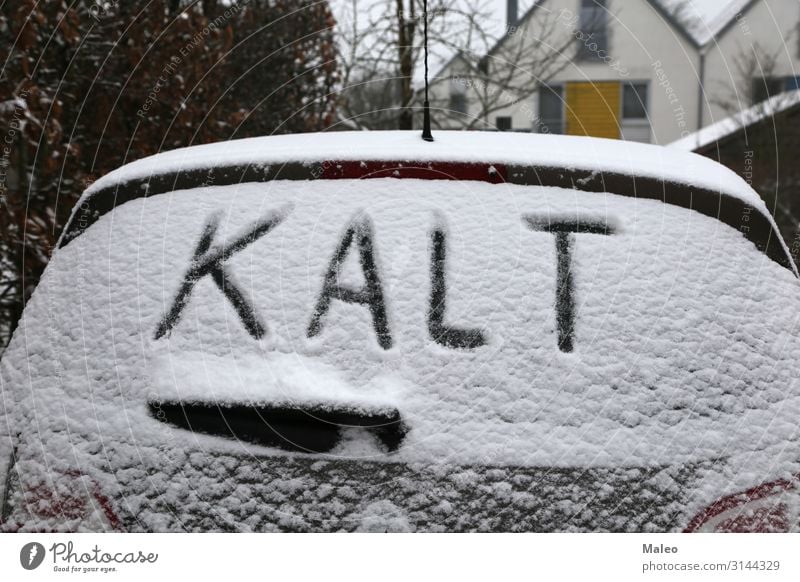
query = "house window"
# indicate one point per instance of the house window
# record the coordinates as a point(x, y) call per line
point(767, 87)
point(458, 96)
point(503, 123)
point(458, 103)
point(791, 83)
point(634, 125)
point(593, 33)
point(634, 101)
point(551, 109)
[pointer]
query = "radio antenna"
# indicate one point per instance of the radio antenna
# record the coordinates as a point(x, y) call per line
point(426, 106)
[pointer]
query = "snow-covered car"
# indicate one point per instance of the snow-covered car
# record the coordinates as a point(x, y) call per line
point(365, 331)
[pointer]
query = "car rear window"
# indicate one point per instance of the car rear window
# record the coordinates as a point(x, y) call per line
point(406, 322)
point(501, 324)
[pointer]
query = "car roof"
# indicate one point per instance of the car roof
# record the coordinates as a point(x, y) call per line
point(582, 163)
point(524, 149)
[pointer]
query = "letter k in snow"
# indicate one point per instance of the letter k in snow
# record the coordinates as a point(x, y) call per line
point(208, 260)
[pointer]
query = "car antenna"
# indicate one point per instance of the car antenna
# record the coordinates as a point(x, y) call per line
point(426, 106)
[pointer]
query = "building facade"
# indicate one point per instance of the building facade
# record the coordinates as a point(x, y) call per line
point(641, 70)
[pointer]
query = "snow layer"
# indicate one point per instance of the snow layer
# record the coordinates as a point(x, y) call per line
point(730, 125)
point(602, 155)
point(704, 19)
point(279, 379)
point(683, 385)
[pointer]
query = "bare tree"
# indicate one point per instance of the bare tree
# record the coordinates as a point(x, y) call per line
point(381, 48)
point(380, 52)
point(494, 64)
point(526, 58)
point(754, 72)
point(87, 86)
point(370, 56)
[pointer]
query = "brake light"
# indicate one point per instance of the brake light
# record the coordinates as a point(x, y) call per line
point(71, 502)
point(768, 508)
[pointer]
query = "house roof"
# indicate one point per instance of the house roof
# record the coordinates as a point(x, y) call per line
point(729, 126)
point(703, 20)
point(698, 21)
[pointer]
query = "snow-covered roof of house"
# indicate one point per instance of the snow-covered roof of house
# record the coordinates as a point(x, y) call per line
point(699, 21)
point(730, 125)
point(703, 20)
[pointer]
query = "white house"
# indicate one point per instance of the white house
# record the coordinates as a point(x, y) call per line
point(643, 70)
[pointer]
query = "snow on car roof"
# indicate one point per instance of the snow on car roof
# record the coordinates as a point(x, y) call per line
point(571, 152)
point(570, 162)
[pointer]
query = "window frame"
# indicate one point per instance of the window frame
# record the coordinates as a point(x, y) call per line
point(791, 83)
point(645, 102)
point(599, 14)
point(504, 118)
point(635, 123)
point(554, 89)
point(765, 88)
point(457, 96)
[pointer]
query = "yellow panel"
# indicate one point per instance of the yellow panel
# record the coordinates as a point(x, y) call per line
point(593, 109)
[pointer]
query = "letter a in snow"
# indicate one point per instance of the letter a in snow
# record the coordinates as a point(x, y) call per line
point(370, 294)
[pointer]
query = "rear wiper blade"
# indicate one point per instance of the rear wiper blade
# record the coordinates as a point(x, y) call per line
point(310, 429)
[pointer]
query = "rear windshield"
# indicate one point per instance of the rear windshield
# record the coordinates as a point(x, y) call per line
point(413, 320)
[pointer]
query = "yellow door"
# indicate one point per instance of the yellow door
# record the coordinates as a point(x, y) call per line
point(593, 109)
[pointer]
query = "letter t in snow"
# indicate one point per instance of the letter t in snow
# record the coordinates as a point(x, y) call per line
point(564, 232)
